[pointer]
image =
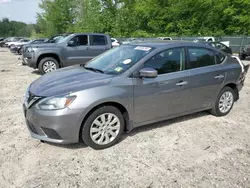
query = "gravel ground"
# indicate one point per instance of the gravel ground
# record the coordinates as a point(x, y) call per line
point(198, 150)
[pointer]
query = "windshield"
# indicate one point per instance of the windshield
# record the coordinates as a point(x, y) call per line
point(64, 38)
point(118, 60)
point(55, 39)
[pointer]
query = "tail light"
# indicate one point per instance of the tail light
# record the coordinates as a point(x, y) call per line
point(243, 74)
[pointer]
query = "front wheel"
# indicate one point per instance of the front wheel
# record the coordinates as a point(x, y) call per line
point(48, 64)
point(103, 128)
point(19, 51)
point(224, 102)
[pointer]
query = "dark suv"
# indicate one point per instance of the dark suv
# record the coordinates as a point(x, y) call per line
point(245, 52)
point(74, 49)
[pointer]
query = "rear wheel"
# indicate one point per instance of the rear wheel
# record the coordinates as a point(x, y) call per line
point(224, 102)
point(103, 128)
point(48, 64)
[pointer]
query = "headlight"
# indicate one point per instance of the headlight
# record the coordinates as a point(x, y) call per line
point(55, 103)
point(29, 49)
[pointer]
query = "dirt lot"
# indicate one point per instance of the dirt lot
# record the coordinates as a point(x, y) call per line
point(199, 150)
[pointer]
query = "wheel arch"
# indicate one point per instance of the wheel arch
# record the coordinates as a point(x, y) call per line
point(44, 55)
point(234, 87)
point(119, 106)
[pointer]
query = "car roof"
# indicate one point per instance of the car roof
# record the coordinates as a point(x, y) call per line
point(89, 34)
point(162, 44)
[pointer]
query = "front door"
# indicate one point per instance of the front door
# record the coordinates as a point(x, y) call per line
point(165, 95)
point(206, 77)
point(79, 52)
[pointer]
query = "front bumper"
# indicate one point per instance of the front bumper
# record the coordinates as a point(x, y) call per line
point(58, 126)
point(29, 59)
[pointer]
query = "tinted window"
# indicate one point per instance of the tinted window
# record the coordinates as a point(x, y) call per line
point(220, 57)
point(81, 40)
point(200, 57)
point(96, 40)
point(166, 39)
point(168, 61)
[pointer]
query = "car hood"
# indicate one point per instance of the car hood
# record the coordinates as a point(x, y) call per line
point(67, 80)
point(42, 45)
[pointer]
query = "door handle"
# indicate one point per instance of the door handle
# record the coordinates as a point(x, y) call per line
point(182, 83)
point(219, 76)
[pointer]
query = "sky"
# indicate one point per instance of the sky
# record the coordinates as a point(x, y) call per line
point(19, 10)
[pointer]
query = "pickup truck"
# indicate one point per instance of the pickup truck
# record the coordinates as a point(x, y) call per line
point(211, 39)
point(77, 48)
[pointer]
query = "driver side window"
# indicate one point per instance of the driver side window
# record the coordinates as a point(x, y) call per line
point(80, 40)
point(168, 61)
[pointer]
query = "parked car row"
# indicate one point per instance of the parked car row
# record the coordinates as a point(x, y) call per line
point(62, 50)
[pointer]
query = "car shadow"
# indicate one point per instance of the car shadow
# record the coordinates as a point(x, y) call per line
point(79, 145)
point(169, 122)
point(138, 130)
point(36, 72)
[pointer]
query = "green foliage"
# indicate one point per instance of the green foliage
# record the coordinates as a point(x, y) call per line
point(58, 16)
point(13, 28)
point(139, 18)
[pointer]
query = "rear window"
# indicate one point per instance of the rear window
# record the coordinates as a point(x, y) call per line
point(200, 57)
point(97, 40)
point(220, 57)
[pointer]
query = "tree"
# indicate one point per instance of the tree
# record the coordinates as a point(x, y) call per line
point(13, 28)
point(144, 18)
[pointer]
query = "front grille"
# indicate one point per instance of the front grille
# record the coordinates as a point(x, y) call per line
point(32, 127)
point(51, 133)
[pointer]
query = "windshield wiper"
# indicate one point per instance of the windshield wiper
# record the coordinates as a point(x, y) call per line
point(93, 69)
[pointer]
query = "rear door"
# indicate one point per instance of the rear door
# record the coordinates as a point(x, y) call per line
point(78, 53)
point(206, 76)
point(97, 45)
point(166, 95)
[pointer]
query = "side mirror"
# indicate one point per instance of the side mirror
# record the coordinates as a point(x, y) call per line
point(71, 43)
point(148, 73)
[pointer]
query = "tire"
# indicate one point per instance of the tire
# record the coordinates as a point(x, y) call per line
point(19, 51)
point(102, 133)
point(49, 61)
point(216, 108)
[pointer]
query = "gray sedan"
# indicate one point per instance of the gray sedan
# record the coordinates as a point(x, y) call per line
point(131, 86)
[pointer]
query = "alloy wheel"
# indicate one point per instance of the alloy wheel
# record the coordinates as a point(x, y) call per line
point(105, 128)
point(226, 102)
point(49, 66)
